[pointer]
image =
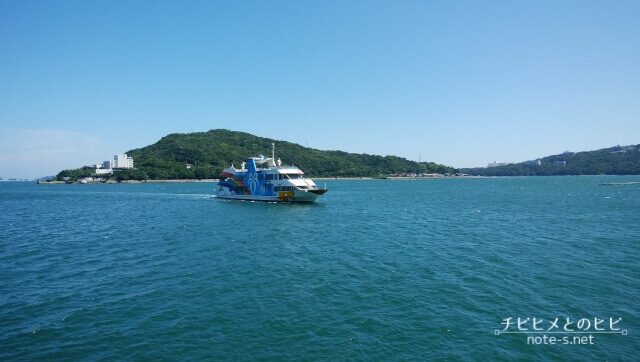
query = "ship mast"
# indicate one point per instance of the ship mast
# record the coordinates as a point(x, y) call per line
point(273, 151)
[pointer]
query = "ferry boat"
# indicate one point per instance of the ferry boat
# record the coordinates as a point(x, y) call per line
point(265, 179)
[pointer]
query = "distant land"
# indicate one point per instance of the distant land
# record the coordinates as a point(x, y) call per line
point(618, 160)
point(14, 179)
point(202, 155)
point(207, 153)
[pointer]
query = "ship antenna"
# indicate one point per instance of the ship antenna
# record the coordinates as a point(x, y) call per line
point(273, 151)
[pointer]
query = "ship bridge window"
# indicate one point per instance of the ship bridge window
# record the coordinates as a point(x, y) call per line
point(294, 176)
point(271, 176)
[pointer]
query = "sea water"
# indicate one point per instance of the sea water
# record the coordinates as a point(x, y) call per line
point(376, 269)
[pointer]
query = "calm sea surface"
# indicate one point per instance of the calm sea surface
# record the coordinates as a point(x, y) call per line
point(378, 269)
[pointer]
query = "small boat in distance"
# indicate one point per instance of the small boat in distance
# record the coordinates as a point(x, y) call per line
point(271, 183)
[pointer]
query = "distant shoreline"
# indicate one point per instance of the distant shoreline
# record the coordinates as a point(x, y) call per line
point(395, 178)
point(170, 181)
point(402, 178)
point(42, 182)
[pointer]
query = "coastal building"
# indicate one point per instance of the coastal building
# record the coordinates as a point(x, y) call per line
point(622, 150)
point(533, 163)
point(559, 163)
point(103, 171)
point(496, 164)
point(188, 165)
point(122, 161)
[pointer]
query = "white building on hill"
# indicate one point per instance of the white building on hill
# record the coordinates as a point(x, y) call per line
point(496, 164)
point(122, 161)
point(533, 163)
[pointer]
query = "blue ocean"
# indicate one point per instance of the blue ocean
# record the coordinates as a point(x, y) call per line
point(447, 269)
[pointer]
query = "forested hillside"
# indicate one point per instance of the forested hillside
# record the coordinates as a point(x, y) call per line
point(619, 160)
point(210, 152)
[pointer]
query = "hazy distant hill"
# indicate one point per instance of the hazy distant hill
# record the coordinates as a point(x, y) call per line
point(619, 160)
point(210, 152)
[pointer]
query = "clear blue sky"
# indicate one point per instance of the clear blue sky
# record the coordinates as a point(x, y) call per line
point(462, 83)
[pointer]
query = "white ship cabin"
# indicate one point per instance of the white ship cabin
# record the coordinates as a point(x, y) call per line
point(283, 178)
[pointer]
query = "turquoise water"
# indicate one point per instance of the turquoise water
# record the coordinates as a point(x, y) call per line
point(378, 269)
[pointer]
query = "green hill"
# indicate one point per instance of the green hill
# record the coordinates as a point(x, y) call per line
point(619, 160)
point(210, 152)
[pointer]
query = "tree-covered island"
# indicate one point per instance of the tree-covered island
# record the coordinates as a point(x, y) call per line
point(203, 155)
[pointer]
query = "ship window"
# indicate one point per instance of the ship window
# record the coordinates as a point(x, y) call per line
point(261, 176)
point(240, 177)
